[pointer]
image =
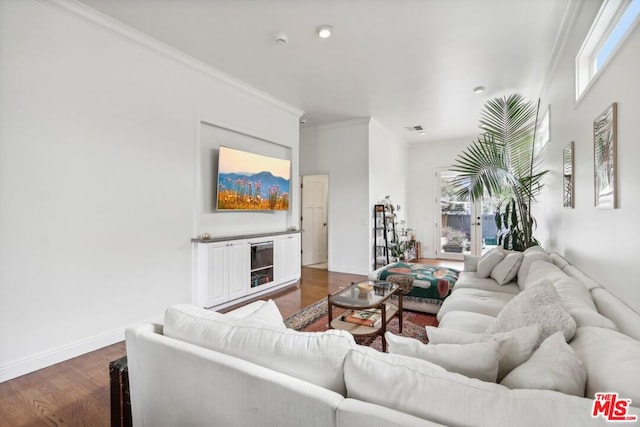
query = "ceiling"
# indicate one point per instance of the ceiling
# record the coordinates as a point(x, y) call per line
point(404, 62)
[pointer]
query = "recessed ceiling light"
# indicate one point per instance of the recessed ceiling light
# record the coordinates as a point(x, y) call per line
point(324, 31)
point(479, 89)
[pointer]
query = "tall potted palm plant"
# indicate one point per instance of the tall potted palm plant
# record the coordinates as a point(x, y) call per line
point(505, 162)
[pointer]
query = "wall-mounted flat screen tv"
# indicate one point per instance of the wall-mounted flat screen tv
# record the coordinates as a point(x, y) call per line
point(252, 182)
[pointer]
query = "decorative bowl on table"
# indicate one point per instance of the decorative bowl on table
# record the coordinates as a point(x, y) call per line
point(365, 286)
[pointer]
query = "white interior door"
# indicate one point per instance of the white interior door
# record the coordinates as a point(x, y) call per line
point(314, 219)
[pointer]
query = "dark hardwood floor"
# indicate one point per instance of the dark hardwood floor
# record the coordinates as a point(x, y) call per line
point(76, 392)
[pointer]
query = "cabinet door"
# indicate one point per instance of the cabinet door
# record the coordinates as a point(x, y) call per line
point(293, 255)
point(288, 258)
point(218, 274)
point(238, 269)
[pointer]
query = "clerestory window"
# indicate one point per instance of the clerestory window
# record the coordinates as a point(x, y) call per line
point(614, 22)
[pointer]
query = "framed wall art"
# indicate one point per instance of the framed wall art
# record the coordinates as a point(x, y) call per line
point(567, 176)
point(605, 137)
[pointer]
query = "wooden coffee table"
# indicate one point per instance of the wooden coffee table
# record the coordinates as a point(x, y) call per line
point(351, 298)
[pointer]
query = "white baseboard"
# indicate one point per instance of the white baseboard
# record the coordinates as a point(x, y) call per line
point(50, 357)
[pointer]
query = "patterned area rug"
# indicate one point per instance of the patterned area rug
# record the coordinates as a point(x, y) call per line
point(314, 318)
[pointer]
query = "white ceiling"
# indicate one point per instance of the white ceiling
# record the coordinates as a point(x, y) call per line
point(404, 62)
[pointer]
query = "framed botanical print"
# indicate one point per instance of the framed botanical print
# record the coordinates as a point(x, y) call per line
point(605, 135)
point(567, 176)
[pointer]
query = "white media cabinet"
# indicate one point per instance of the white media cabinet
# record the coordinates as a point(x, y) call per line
point(230, 269)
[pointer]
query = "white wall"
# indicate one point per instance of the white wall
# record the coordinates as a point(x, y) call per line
point(388, 172)
point(424, 159)
point(341, 150)
point(603, 243)
point(98, 159)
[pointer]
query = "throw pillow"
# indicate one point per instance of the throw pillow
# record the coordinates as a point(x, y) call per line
point(553, 366)
point(506, 270)
point(538, 304)
point(477, 360)
point(612, 361)
point(515, 346)
point(267, 315)
point(488, 261)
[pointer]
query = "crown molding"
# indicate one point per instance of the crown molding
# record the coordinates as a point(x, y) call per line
point(104, 22)
point(569, 19)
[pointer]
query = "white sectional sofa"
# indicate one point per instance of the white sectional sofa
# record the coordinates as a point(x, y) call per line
point(245, 368)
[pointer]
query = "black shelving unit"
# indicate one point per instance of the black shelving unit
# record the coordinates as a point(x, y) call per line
point(384, 234)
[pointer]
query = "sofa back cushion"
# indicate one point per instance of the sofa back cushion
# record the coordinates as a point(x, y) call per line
point(259, 336)
point(427, 391)
point(625, 318)
point(528, 258)
point(540, 270)
point(316, 357)
point(578, 301)
point(207, 328)
point(612, 361)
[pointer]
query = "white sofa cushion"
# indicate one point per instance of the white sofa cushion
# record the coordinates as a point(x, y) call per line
point(245, 310)
point(260, 337)
point(578, 301)
point(427, 391)
point(466, 321)
point(515, 346)
point(542, 270)
point(476, 360)
point(207, 328)
point(317, 357)
point(266, 315)
point(538, 304)
point(553, 366)
point(507, 269)
point(574, 272)
point(529, 257)
point(197, 326)
point(558, 260)
point(474, 300)
point(488, 261)
point(470, 279)
point(470, 263)
point(626, 319)
point(612, 361)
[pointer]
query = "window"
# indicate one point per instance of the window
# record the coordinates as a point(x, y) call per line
point(614, 21)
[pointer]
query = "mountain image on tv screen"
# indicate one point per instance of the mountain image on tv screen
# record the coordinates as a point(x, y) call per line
point(248, 181)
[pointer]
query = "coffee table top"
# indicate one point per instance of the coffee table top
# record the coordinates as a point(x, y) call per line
point(352, 297)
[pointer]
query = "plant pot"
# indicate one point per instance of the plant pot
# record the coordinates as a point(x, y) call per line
point(452, 248)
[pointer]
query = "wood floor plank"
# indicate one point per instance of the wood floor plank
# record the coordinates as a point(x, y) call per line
point(76, 392)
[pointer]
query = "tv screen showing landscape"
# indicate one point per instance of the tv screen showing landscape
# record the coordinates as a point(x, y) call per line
point(249, 181)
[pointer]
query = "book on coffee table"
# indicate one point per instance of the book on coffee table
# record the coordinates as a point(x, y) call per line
point(368, 317)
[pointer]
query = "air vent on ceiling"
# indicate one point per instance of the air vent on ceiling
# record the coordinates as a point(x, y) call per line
point(417, 128)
